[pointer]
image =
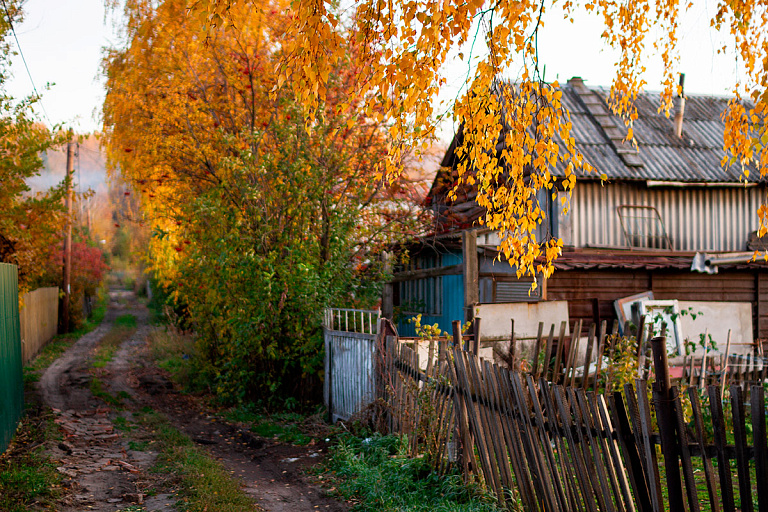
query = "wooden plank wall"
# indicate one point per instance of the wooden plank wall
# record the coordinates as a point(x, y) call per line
point(39, 320)
point(582, 287)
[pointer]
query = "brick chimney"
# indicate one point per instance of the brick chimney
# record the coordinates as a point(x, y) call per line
point(576, 81)
point(680, 108)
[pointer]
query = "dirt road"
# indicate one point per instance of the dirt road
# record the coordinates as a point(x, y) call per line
point(104, 473)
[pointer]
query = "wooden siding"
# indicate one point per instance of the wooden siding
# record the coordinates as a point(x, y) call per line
point(584, 288)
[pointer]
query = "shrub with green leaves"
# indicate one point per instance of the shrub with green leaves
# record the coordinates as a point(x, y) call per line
point(376, 474)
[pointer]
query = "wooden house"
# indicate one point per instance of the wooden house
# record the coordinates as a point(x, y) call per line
point(664, 203)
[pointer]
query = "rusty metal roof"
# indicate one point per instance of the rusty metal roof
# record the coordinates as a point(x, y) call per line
point(600, 260)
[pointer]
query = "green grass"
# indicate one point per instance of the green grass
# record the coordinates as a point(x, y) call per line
point(204, 484)
point(97, 390)
point(375, 474)
point(123, 328)
point(138, 446)
point(286, 427)
point(128, 321)
point(173, 352)
point(122, 423)
point(27, 476)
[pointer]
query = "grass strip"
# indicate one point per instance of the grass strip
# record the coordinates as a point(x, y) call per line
point(375, 474)
point(287, 427)
point(123, 328)
point(204, 484)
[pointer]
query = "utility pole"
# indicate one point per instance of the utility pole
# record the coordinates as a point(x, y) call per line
point(68, 239)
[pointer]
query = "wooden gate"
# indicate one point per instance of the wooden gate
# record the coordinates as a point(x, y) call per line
point(350, 340)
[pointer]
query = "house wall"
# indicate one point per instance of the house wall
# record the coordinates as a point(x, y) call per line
point(696, 219)
point(451, 290)
point(590, 293)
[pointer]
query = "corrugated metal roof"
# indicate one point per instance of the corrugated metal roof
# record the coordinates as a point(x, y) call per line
point(661, 155)
point(696, 157)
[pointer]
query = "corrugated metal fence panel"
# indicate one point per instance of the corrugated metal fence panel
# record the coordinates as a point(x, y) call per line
point(696, 219)
point(349, 382)
point(11, 382)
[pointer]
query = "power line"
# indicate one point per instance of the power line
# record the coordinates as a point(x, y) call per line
point(18, 45)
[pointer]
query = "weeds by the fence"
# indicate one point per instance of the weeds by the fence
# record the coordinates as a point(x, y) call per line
point(27, 476)
point(376, 474)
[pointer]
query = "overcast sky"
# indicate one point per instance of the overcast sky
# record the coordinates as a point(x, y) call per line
point(62, 41)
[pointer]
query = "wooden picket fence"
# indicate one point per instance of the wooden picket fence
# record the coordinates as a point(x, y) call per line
point(544, 441)
point(39, 320)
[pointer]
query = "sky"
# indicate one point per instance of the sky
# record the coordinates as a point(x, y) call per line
point(62, 42)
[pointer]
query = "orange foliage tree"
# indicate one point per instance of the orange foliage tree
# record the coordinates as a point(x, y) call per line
point(402, 45)
point(258, 223)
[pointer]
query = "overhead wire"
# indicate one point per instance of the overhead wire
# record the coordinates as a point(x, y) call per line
point(24, 60)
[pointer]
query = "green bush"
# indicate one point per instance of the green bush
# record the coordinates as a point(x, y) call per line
point(377, 475)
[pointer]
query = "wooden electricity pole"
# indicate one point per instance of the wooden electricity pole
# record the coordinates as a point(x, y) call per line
point(68, 239)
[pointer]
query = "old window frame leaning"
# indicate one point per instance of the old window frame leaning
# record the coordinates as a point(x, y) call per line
point(646, 222)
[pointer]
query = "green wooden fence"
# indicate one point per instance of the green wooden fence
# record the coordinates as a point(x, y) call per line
point(11, 383)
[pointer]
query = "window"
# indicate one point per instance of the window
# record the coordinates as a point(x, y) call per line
point(643, 227)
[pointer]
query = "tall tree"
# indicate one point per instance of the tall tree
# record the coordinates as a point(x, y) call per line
point(258, 222)
point(29, 223)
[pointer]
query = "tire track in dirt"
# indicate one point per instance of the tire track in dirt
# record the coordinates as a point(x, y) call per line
point(273, 473)
point(101, 472)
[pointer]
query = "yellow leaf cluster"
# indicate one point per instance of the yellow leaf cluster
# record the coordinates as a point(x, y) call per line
point(514, 136)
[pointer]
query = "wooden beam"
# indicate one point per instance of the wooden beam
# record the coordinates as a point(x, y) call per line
point(410, 275)
point(387, 296)
point(760, 284)
point(471, 272)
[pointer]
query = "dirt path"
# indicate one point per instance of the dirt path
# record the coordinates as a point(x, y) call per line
point(101, 471)
point(104, 474)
